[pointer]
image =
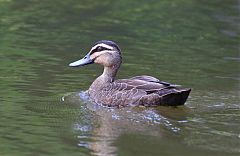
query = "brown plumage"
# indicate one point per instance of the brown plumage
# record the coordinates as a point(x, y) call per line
point(139, 90)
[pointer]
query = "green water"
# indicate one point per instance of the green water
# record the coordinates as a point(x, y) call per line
point(44, 111)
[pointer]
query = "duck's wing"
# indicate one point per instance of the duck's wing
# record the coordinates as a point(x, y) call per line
point(145, 78)
point(148, 91)
point(146, 83)
point(150, 79)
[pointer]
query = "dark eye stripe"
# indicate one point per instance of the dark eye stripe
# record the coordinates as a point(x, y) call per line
point(98, 49)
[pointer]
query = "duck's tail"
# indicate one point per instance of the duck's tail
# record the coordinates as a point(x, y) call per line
point(173, 96)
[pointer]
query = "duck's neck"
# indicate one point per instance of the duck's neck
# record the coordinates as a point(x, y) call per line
point(109, 74)
point(107, 77)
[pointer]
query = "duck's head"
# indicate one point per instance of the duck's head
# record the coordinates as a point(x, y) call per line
point(104, 52)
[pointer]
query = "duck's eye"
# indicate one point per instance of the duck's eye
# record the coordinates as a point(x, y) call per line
point(100, 48)
point(96, 50)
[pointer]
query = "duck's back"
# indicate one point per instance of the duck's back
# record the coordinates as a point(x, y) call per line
point(139, 90)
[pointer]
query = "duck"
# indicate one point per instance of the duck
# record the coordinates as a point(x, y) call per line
point(141, 90)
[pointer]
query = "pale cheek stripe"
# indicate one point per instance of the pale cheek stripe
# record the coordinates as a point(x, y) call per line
point(94, 55)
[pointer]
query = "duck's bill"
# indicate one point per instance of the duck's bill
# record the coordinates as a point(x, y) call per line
point(84, 61)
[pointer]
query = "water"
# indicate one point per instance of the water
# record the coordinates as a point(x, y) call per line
point(45, 111)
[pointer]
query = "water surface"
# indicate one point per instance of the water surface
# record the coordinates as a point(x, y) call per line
point(45, 111)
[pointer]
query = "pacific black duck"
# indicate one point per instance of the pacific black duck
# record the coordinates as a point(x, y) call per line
point(139, 90)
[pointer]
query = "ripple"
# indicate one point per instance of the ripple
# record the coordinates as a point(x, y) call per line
point(232, 58)
point(83, 128)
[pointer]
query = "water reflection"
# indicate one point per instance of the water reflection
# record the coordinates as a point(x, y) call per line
point(102, 127)
point(111, 123)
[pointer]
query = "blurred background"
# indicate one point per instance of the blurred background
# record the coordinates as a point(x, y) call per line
point(44, 109)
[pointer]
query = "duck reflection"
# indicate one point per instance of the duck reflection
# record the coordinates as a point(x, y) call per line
point(100, 127)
